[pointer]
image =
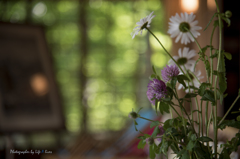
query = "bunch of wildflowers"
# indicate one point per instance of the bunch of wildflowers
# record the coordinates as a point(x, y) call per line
point(186, 136)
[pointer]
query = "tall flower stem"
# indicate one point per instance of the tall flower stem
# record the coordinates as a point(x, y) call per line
point(201, 118)
point(164, 49)
point(197, 106)
point(183, 119)
point(194, 39)
point(211, 77)
point(207, 123)
point(199, 49)
point(183, 109)
point(216, 78)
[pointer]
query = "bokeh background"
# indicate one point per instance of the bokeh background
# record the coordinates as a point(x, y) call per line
point(101, 73)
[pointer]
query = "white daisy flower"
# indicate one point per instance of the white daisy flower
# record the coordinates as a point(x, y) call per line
point(184, 59)
point(142, 24)
point(194, 81)
point(178, 25)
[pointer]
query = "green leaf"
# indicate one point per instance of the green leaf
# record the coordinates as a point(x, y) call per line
point(193, 137)
point(222, 82)
point(208, 96)
point(185, 155)
point(155, 123)
point(208, 68)
point(227, 20)
point(163, 107)
point(180, 153)
point(216, 23)
point(203, 87)
point(222, 63)
point(170, 92)
point(215, 54)
point(231, 123)
point(183, 77)
point(151, 152)
point(204, 139)
point(141, 144)
point(190, 95)
point(173, 82)
point(228, 55)
point(190, 145)
point(180, 80)
point(155, 132)
point(141, 137)
point(210, 21)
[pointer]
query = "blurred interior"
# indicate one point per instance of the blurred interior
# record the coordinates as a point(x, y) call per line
point(70, 73)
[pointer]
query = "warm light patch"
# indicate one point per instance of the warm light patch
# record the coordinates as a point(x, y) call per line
point(211, 4)
point(189, 5)
point(39, 84)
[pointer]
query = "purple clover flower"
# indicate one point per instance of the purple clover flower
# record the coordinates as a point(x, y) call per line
point(160, 133)
point(149, 140)
point(169, 72)
point(156, 90)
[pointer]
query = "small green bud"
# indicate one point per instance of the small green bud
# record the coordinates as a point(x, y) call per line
point(149, 140)
point(133, 115)
point(238, 118)
point(228, 14)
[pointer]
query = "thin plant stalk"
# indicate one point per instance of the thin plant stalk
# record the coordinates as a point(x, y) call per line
point(164, 49)
point(198, 47)
point(216, 78)
point(175, 111)
point(229, 110)
point(201, 118)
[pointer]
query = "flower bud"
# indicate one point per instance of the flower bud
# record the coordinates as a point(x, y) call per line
point(228, 14)
point(149, 140)
point(133, 115)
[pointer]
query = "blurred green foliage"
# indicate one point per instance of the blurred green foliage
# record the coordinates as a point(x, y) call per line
point(117, 67)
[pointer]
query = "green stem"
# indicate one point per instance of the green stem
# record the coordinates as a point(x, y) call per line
point(200, 51)
point(229, 110)
point(198, 116)
point(182, 108)
point(209, 120)
point(216, 78)
point(146, 119)
point(183, 119)
point(191, 108)
point(211, 77)
point(194, 39)
point(176, 145)
point(206, 118)
point(198, 119)
point(165, 49)
point(201, 118)
point(171, 113)
point(195, 77)
point(175, 111)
